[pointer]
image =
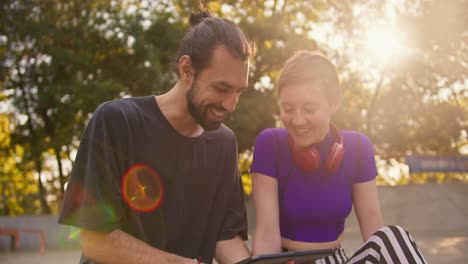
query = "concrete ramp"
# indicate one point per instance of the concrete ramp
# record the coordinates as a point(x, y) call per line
point(436, 215)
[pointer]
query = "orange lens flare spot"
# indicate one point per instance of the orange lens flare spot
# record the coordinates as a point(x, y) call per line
point(142, 188)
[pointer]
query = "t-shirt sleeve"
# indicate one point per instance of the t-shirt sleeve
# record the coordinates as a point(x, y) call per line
point(366, 167)
point(265, 154)
point(235, 221)
point(93, 199)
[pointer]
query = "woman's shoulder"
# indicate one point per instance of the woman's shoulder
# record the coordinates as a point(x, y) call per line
point(270, 135)
point(356, 140)
point(353, 136)
point(272, 132)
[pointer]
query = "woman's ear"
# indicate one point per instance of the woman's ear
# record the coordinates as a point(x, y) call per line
point(186, 70)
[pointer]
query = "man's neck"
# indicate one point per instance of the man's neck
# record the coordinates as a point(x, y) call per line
point(173, 105)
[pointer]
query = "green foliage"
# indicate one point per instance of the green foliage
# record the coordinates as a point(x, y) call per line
point(61, 59)
point(417, 103)
point(53, 59)
point(245, 161)
point(18, 189)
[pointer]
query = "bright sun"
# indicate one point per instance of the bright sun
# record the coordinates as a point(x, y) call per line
point(384, 43)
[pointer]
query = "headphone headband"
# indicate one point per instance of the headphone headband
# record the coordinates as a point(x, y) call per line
point(309, 159)
point(336, 132)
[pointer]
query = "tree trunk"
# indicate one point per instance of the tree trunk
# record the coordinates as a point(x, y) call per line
point(371, 107)
point(45, 209)
point(69, 155)
point(61, 176)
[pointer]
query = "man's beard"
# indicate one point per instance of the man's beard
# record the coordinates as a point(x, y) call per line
point(199, 113)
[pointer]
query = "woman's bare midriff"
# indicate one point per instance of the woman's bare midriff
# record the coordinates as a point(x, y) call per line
point(292, 245)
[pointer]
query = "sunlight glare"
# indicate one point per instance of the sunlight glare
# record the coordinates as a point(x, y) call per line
point(384, 43)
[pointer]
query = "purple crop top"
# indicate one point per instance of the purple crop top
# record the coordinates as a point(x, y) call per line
point(314, 206)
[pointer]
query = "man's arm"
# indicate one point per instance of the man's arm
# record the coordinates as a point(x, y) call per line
point(231, 251)
point(119, 247)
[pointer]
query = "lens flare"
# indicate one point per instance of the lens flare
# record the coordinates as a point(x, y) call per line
point(142, 188)
point(74, 234)
point(67, 237)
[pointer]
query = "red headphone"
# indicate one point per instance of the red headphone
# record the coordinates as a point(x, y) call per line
point(308, 158)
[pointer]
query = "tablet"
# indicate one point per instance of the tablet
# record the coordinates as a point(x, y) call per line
point(300, 257)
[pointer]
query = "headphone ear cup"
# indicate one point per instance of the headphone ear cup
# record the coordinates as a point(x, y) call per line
point(334, 158)
point(308, 159)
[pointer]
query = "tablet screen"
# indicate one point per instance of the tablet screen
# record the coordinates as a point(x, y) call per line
point(300, 257)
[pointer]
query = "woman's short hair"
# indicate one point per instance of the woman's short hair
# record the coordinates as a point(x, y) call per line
point(310, 67)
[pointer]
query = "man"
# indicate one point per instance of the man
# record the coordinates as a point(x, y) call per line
point(155, 179)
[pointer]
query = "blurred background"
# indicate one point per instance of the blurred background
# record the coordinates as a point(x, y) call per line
point(403, 66)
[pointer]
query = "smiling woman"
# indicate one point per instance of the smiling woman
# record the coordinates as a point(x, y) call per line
point(307, 176)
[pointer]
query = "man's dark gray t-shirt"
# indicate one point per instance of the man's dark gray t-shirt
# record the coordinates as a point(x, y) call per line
point(200, 195)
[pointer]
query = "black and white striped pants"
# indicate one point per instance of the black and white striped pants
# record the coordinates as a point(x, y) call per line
point(390, 244)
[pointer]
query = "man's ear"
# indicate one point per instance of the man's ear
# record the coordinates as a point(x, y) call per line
point(186, 70)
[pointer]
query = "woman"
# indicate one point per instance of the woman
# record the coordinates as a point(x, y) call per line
point(308, 175)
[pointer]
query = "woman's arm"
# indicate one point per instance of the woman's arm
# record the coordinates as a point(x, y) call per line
point(231, 250)
point(367, 208)
point(267, 238)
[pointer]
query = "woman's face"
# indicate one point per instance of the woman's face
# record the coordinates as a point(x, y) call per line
point(305, 112)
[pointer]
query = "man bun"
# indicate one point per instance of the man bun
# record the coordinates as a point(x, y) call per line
point(207, 32)
point(198, 17)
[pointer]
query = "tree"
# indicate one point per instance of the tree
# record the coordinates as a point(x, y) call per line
point(413, 102)
point(62, 59)
point(17, 185)
point(52, 74)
